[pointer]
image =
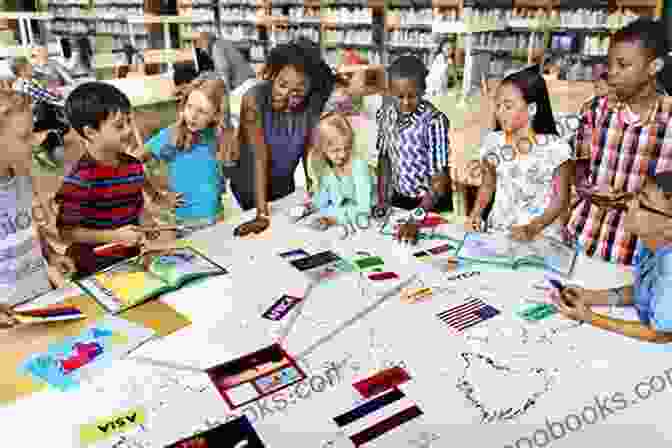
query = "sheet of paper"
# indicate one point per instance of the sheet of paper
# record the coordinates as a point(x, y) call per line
point(63, 365)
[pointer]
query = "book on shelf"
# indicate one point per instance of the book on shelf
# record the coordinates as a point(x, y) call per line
point(130, 283)
point(497, 248)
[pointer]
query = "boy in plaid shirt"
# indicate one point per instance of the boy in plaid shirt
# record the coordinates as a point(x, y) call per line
point(619, 136)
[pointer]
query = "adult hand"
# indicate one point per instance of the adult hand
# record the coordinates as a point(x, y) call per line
point(573, 303)
point(526, 232)
point(257, 225)
point(408, 233)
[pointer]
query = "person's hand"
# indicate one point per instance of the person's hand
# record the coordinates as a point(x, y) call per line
point(229, 147)
point(156, 248)
point(408, 233)
point(573, 303)
point(131, 235)
point(473, 223)
point(61, 267)
point(7, 319)
point(327, 221)
point(526, 232)
point(257, 225)
point(441, 184)
point(171, 200)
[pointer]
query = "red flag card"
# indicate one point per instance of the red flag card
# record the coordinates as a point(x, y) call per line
point(381, 382)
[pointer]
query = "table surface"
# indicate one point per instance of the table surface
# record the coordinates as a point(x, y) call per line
point(561, 365)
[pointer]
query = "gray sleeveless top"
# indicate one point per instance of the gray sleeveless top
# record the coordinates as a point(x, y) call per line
point(287, 133)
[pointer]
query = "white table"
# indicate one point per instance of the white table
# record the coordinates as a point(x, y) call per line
point(580, 361)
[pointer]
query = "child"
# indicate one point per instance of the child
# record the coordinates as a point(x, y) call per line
point(101, 199)
point(193, 151)
point(413, 143)
point(345, 186)
point(441, 74)
point(651, 294)
point(24, 272)
point(521, 161)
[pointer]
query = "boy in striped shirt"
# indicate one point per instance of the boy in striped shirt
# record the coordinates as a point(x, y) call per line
point(101, 199)
point(620, 136)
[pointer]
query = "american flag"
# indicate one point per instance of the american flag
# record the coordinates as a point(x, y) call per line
point(468, 314)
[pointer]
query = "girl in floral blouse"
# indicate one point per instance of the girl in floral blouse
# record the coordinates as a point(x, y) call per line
point(525, 162)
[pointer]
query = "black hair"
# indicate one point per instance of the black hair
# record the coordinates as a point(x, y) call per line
point(533, 88)
point(184, 72)
point(92, 103)
point(409, 67)
point(650, 33)
point(306, 56)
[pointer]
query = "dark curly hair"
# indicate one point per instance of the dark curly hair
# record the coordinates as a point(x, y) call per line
point(304, 55)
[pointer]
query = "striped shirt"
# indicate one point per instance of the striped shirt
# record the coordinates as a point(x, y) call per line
point(418, 146)
point(37, 92)
point(100, 196)
point(619, 146)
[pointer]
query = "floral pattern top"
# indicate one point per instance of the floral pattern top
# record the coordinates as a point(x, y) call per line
point(525, 186)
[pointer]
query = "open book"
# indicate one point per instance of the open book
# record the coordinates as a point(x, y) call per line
point(546, 252)
point(127, 284)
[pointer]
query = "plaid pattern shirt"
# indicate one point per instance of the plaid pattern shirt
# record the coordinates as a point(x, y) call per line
point(419, 148)
point(619, 146)
point(36, 92)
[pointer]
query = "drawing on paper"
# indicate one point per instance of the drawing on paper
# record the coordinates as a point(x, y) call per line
point(501, 393)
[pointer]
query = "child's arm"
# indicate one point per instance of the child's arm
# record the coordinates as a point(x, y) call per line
point(560, 203)
point(630, 328)
point(485, 194)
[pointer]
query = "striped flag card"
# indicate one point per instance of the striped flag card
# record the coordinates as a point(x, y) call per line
point(376, 417)
point(473, 311)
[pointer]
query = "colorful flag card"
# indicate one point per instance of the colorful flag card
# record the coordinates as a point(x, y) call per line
point(376, 417)
point(381, 382)
point(281, 308)
point(472, 312)
point(255, 376)
point(294, 254)
point(238, 433)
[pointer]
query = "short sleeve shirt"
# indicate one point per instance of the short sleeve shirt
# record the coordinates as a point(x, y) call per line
point(23, 269)
point(653, 287)
point(194, 172)
point(524, 186)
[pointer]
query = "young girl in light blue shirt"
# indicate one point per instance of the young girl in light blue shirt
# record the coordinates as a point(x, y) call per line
point(345, 186)
point(192, 150)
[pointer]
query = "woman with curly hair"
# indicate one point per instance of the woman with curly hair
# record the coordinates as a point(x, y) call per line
point(278, 116)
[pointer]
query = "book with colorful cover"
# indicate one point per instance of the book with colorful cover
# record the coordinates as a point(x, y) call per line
point(545, 252)
point(128, 283)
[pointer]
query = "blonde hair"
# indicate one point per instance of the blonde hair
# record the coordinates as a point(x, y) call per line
point(215, 90)
point(317, 160)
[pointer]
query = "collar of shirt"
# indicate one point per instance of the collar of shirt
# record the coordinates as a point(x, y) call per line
point(627, 116)
point(405, 119)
